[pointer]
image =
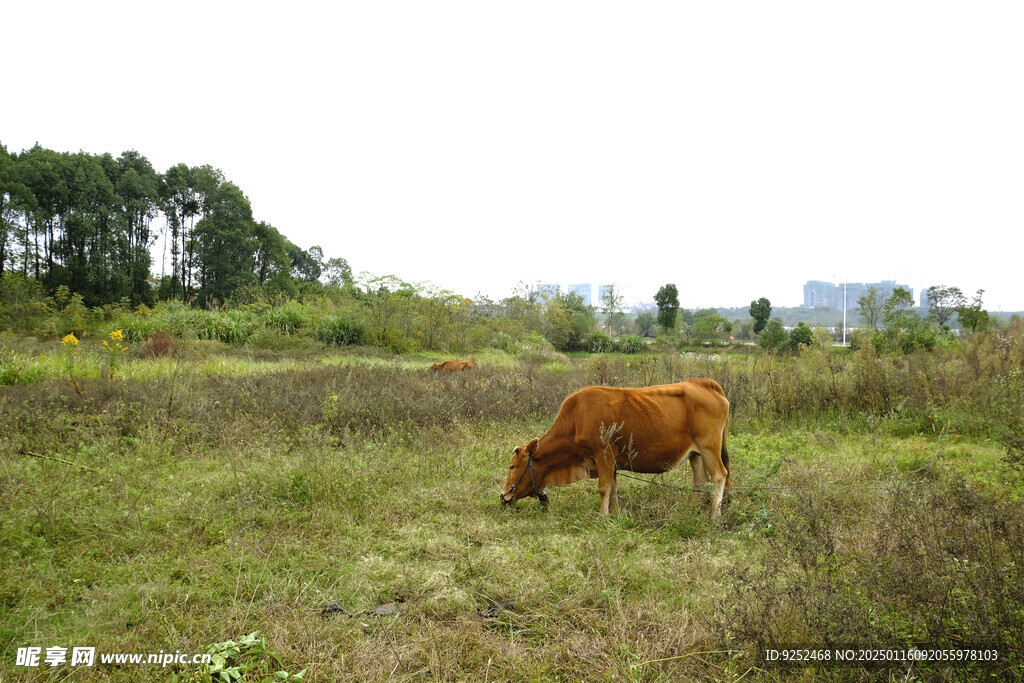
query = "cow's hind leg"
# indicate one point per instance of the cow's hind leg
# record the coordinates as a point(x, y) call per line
point(711, 455)
point(699, 475)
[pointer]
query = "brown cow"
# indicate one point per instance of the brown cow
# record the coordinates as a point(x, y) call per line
point(652, 429)
point(454, 366)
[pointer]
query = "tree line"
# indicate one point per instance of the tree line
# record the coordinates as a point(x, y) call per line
point(80, 230)
point(89, 222)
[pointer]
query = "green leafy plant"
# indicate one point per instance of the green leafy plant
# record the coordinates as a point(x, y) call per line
point(246, 659)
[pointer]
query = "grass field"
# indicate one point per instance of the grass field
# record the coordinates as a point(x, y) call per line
point(345, 507)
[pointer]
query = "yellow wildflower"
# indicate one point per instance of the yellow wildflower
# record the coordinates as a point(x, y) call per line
point(117, 335)
point(70, 340)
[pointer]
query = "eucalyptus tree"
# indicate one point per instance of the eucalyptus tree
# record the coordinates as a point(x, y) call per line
point(307, 266)
point(40, 170)
point(188, 194)
point(180, 203)
point(137, 190)
point(270, 260)
point(224, 244)
point(88, 234)
point(16, 205)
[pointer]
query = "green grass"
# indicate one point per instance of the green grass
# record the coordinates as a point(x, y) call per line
point(219, 495)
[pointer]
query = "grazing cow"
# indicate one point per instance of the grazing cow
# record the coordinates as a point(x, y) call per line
point(600, 430)
point(454, 366)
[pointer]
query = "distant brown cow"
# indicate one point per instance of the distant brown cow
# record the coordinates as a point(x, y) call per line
point(454, 366)
point(656, 427)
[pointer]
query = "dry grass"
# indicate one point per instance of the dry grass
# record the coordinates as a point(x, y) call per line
point(242, 500)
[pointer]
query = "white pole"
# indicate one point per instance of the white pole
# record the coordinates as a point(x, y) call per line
point(844, 312)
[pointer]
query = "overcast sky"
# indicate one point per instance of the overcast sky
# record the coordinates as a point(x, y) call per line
point(736, 149)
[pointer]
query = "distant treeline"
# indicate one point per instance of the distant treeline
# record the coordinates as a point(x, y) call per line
point(89, 222)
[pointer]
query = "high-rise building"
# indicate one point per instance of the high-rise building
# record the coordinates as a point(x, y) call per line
point(820, 294)
point(584, 290)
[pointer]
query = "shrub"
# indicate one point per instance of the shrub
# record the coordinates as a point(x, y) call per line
point(157, 345)
point(601, 343)
point(136, 328)
point(15, 370)
point(231, 327)
point(506, 343)
point(288, 319)
point(338, 330)
point(631, 343)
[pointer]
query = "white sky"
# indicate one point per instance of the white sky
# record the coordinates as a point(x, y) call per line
point(736, 149)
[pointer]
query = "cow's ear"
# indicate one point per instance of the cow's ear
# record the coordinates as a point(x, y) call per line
point(531, 448)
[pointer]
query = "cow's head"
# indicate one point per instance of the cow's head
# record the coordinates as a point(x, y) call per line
point(531, 472)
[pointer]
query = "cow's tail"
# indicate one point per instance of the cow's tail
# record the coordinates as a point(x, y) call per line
point(725, 453)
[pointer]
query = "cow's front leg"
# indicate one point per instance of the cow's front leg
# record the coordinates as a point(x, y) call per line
point(606, 482)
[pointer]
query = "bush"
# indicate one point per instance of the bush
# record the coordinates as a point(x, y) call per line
point(15, 370)
point(288, 319)
point(338, 330)
point(157, 345)
point(630, 343)
point(135, 327)
point(230, 327)
point(601, 343)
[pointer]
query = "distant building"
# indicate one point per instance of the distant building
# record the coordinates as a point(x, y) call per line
point(820, 294)
point(584, 290)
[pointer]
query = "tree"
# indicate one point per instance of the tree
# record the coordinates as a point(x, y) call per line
point(137, 196)
point(943, 302)
point(760, 311)
point(897, 309)
point(337, 272)
point(645, 321)
point(773, 336)
point(801, 335)
point(41, 171)
point(224, 244)
point(972, 316)
point(307, 266)
point(869, 305)
point(708, 325)
point(16, 201)
point(904, 330)
point(180, 204)
point(667, 299)
point(388, 300)
point(612, 301)
point(270, 261)
point(187, 193)
point(89, 252)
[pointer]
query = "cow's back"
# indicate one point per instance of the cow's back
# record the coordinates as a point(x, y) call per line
point(662, 422)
